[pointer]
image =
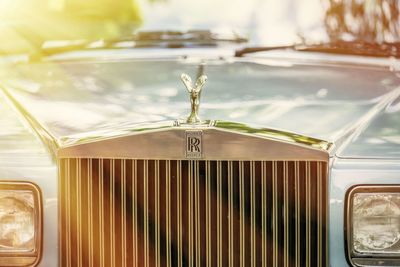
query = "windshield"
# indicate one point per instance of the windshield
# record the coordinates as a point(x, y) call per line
point(262, 22)
point(30, 23)
point(271, 22)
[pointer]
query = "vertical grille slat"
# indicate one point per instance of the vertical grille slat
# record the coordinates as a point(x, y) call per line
point(128, 212)
point(179, 211)
point(90, 212)
point(264, 241)
point(253, 214)
point(197, 212)
point(74, 223)
point(286, 222)
point(308, 214)
point(157, 212)
point(123, 213)
point(219, 213)
point(101, 212)
point(242, 211)
point(297, 192)
point(275, 230)
point(208, 214)
point(135, 213)
point(167, 212)
point(231, 216)
point(189, 213)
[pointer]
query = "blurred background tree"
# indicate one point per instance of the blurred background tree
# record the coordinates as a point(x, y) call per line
point(26, 24)
point(367, 20)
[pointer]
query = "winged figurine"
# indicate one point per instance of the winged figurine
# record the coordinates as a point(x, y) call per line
point(195, 93)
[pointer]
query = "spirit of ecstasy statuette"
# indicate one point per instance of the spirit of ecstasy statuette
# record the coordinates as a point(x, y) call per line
point(195, 93)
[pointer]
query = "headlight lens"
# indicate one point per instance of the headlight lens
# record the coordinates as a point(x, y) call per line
point(376, 222)
point(17, 221)
point(373, 225)
point(20, 224)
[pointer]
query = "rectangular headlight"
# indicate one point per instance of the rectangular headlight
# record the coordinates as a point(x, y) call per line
point(20, 224)
point(373, 225)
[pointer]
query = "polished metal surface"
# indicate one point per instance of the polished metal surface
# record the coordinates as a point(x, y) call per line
point(380, 139)
point(195, 94)
point(284, 94)
point(27, 118)
point(124, 212)
point(126, 130)
point(218, 143)
point(19, 148)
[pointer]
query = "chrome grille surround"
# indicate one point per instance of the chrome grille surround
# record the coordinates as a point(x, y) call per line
point(252, 200)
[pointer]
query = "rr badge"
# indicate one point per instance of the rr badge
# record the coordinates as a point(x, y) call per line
point(194, 144)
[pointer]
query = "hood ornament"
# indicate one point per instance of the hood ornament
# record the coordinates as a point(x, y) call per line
point(195, 93)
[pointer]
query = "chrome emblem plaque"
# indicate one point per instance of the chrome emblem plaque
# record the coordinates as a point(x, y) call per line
point(194, 144)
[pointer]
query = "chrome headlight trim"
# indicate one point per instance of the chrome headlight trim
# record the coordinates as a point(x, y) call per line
point(31, 258)
point(366, 259)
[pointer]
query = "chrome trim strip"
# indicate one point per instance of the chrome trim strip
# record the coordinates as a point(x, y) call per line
point(218, 144)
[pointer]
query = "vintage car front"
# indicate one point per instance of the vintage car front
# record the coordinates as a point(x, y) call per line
point(187, 149)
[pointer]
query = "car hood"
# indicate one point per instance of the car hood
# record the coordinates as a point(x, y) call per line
point(325, 101)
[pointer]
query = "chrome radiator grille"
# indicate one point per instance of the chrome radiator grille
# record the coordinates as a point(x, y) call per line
point(120, 212)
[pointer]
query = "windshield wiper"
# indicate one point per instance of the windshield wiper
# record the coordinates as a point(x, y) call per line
point(256, 49)
point(358, 48)
point(158, 39)
point(177, 39)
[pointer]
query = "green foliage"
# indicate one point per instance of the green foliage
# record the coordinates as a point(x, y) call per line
point(27, 24)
